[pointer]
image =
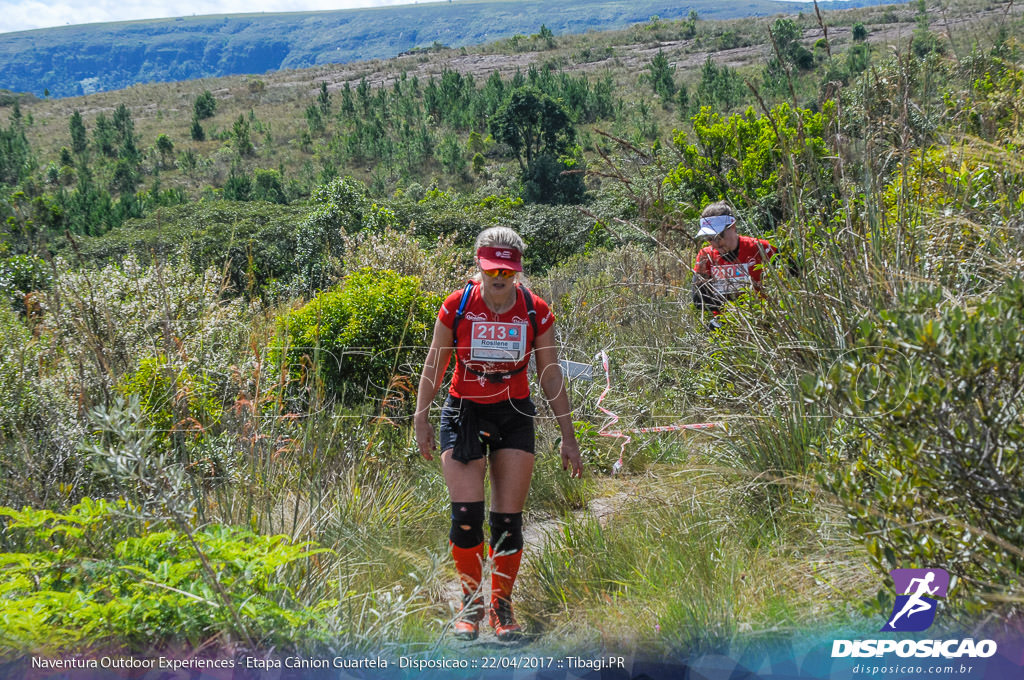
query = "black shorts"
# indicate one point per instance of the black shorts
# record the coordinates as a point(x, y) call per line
point(505, 425)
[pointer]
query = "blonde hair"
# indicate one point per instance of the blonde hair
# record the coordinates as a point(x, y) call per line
point(499, 237)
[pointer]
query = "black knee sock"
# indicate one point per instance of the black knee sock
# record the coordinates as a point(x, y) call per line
point(467, 515)
point(506, 531)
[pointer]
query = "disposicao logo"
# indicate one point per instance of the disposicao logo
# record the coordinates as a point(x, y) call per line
point(916, 590)
point(912, 612)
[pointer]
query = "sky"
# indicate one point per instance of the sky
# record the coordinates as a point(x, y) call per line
point(22, 15)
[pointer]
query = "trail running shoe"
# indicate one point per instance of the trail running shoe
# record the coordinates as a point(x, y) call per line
point(467, 624)
point(504, 621)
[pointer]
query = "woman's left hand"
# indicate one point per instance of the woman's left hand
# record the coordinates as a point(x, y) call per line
point(571, 461)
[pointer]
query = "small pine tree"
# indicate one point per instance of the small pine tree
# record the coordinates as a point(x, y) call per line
point(324, 100)
point(205, 105)
point(79, 142)
point(240, 135)
point(547, 36)
point(197, 132)
point(661, 73)
point(164, 146)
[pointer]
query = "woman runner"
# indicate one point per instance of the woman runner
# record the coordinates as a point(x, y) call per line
point(493, 324)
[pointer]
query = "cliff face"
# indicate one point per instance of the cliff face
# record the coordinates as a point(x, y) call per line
point(74, 60)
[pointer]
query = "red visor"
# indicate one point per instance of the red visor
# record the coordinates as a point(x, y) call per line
point(500, 258)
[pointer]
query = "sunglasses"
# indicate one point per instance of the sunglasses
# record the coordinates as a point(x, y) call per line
point(503, 273)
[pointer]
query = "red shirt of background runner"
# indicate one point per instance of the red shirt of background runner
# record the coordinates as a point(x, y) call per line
point(751, 253)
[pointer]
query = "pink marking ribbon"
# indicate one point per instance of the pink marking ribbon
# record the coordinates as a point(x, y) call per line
point(624, 434)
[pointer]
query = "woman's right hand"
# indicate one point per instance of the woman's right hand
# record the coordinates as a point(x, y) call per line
point(424, 437)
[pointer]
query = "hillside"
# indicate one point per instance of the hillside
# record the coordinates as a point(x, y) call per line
point(303, 150)
point(75, 60)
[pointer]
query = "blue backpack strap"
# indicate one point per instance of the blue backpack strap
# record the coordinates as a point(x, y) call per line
point(530, 310)
point(461, 312)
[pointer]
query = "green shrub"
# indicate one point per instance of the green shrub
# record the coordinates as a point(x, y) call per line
point(204, 106)
point(38, 425)
point(173, 399)
point(20, 275)
point(338, 209)
point(744, 157)
point(253, 242)
point(93, 577)
point(355, 338)
point(934, 397)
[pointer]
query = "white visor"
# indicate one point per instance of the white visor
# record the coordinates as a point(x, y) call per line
point(713, 226)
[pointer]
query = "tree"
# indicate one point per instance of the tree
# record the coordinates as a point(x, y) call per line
point(79, 143)
point(124, 128)
point(858, 57)
point(268, 187)
point(241, 137)
point(16, 158)
point(720, 87)
point(315, 119)
point(164, 146)
point(449, 152)
point(690, 25)
point(532, 123)
point(541, 135)
point(105, 136)
point(860, 33)
point(205, 106)
point(924, 41)
point(683, 100)
point(196, 131)
point(661, 73)
point(323, 100)
point(547, 36)
point(125, 178)
point(238, 186)
point(786, 35)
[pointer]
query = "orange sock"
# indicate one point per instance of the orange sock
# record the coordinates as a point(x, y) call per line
point(469, 564)
point(503, 575)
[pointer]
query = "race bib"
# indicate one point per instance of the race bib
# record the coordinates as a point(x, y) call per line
point(731, 278)
point(494, 341)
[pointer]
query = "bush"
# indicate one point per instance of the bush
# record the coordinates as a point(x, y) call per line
point(355, 338)
point(743, 158)
point(105, 321)
point(554, 180)
point(39, 430)
point(933, 395)
point(21, 275)
point(93, 577)
point(338, 209)
point(205, 106)
point(253, 242)
point(173, 399)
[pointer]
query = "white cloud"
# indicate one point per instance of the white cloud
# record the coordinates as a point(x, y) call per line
point(21, 15)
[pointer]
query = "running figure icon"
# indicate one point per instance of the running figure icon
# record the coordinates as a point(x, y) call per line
point(914, 608)
point(914, 603)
